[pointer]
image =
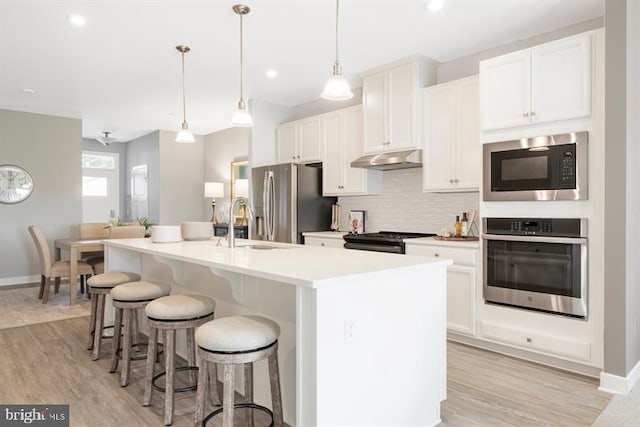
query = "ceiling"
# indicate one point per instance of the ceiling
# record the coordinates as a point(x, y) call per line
point(121, 73)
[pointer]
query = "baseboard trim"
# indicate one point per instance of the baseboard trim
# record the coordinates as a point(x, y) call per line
point(20, 280)
point(619, 385)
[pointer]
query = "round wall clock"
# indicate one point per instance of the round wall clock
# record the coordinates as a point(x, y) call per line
point(15, 184)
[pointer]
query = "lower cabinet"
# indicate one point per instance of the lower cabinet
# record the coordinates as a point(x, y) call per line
point(461, 283)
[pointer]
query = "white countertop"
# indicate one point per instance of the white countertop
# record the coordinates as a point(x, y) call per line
point(325, 234)
point(299, 265)
point(430, 241)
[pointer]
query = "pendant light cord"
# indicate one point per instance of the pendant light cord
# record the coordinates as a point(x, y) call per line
point(184, 102)
point(337, 19)
point(241, 64)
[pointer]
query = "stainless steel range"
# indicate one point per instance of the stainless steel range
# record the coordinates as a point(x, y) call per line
point(383, 241)
point(538, 264)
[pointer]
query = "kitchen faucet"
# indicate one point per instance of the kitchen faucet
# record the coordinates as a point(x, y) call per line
point(244, 202)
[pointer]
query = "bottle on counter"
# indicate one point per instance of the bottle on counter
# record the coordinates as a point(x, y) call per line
point(457, 228)
point(464, 227)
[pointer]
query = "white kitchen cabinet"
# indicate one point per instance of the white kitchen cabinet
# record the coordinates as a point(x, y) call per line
point(343, 139)
point(461, 280)
point(391, 104)
point(329, 239)
point(299, 141)
point(546, 83)
point(452, 155)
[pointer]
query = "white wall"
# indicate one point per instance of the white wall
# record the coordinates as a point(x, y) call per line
point(181, 179)
point(266, 116)
point(404, 207)
point(49, 148)
point(220, 149)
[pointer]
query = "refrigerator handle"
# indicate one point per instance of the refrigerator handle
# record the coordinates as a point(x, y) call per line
point(271, 204)
point(265, 203)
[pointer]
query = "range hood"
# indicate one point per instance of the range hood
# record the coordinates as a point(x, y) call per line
point(391, 160)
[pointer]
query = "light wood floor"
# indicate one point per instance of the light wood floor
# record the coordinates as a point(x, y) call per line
point(48, 363)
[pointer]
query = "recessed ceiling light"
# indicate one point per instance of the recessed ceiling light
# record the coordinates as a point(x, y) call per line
point(77, 20)
point(435, 5)
point(27, 90)
point(271, 74)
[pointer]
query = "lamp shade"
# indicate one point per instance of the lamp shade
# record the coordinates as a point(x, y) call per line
point(241, 188)
point(337, 89)
point(242, 118)
point(185, 136)
point(213, 189)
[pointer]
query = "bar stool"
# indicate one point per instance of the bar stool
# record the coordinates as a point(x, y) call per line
point(99, 286)
point(238, 340)
point(169, 314)
point(127, 299)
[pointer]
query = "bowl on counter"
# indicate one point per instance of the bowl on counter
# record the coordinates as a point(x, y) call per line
point(197, 230)
point(165, 233)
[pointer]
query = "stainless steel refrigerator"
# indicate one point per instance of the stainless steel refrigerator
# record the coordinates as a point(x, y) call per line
point(287, 201)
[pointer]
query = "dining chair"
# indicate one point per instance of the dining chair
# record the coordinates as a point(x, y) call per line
point(53, 270)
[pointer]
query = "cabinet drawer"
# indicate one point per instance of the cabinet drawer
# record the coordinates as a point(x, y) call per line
point(458, 255)
point(534, 340)
point(329, 243)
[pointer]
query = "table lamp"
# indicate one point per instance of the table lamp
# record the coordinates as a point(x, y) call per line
point(213, 190)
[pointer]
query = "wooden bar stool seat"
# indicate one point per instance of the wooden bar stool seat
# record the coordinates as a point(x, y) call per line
point(99, 287)
point(169, 314)
point(127, 299)
point(231, 341)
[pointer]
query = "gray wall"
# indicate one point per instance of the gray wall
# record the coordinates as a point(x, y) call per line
point(622, 203)
point(220, 149)
point(121, 149)
point(49, 148)
point(145, 151)
point(469, 65)
point(181, 179)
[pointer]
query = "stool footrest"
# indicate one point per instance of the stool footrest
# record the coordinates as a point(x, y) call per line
point(177, 390)
point(240, 406)
point(142, 356)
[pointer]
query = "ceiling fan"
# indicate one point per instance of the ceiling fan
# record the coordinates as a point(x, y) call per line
point(106, 140)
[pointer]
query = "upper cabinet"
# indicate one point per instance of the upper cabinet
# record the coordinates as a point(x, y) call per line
point(299, 141)
point(452, 149)
point(343, 140)
point(390, 97)
point(549, 82)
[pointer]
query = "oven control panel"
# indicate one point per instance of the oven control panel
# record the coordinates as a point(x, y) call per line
point(557, 227)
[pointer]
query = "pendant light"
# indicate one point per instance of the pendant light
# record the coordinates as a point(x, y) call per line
point(241, 118)
point(337, 87)
point(184, 135)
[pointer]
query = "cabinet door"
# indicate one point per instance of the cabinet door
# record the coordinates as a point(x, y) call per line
point(561, 79)
point(461, 299)
point(439, 131)
point(319, 241)
point(504, 90)
point(309, 141)
point(333, 163)
point(353, 179)
point(468, 148)
point(401, 104)
point(374, 100)
point(286, 143)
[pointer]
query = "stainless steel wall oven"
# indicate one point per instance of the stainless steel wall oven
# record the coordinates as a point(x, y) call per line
point(538, 264)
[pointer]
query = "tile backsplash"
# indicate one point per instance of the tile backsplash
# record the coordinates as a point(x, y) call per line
point(404, 207)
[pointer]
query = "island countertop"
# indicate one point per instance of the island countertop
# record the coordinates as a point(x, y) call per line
point(298, 265)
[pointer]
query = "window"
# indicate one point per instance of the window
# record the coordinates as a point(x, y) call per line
point(97, 161)
point(94, 186)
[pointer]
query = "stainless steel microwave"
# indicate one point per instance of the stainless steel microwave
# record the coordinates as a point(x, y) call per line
point(552, 167)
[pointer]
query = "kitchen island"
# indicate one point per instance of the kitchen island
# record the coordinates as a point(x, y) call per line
point(363, 333)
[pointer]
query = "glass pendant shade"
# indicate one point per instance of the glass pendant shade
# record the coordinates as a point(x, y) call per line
point(185, 136)
point(242, 118)
point(337, 88)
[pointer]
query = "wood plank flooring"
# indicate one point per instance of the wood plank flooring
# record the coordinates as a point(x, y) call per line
point(48, 363)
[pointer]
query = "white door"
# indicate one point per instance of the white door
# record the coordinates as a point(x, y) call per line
point(439, 131)
point(401, 107)
point(139, 195)
point(353, 179)
point(374, 101)
point(333, 159)
point(286, 143)
point(100, 191)
point(468, 146)
point(309, 142)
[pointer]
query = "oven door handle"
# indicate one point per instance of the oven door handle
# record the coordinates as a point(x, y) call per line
point(539, 239)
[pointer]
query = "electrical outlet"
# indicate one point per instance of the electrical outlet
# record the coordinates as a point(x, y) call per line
point(349, 330)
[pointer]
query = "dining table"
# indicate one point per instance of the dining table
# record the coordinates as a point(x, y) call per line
point(75, 248)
